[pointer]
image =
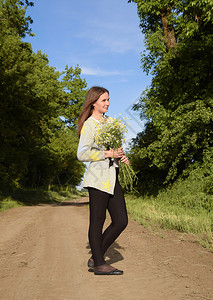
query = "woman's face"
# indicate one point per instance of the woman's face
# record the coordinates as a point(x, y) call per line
point(102, 104)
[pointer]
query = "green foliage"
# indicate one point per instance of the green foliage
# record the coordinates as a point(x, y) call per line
point(29, 197)
point(74, 95)
point(36, 143)
point(66, 169)
point(178, 105)
point(150, 177)
point(12, 17)
point(173, 156)
point(183, 206)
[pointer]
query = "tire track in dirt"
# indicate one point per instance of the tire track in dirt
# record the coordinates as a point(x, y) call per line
point(44, 252)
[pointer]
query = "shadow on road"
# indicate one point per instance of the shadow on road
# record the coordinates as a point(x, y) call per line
point(67, 203)
point(112, 255)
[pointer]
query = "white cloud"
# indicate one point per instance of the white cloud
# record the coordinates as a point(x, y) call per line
point(124, 80)
point(101, 72)
point(98, 72)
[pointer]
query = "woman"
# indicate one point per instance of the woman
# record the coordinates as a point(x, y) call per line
point(101, 180)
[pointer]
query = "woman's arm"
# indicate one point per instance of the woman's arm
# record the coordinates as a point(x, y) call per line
point(86, 152)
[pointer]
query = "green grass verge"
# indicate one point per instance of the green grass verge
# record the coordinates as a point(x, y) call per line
point(158, 211)
point(29, 197)
point(186, 206)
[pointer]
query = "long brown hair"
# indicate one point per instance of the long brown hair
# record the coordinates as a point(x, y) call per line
point(92, 96)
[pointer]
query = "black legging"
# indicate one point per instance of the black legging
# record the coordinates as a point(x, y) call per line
point(99, 202)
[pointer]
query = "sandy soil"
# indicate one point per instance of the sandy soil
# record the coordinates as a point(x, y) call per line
point(44, 252)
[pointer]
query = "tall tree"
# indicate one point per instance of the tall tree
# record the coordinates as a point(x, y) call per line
point(74, 95)
point(178, 104)
point(33, 106)
point(15, 64)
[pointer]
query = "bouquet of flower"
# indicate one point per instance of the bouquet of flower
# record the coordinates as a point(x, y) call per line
point(110, 134)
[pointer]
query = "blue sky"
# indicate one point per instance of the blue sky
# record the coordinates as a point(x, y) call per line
point(101, 36)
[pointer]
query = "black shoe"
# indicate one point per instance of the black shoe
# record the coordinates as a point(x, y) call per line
point(90, 263)
point(113, 272)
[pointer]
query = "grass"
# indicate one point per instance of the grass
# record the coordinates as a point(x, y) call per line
point(158, 211)
point(30, 197)
point(186, 206)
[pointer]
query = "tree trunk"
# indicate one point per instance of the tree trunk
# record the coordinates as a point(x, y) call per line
point(168, 30)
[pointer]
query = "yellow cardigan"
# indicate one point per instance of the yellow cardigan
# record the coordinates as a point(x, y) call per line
point(100, 174)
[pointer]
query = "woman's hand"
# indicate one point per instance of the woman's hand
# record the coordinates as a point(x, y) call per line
point(117, 153)
point(124, 159)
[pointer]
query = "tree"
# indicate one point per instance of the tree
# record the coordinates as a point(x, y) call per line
point(33, 108)
point(74, 95)
point(54, 161)
point(150, 177)
point(178, 103)
point(13, 20)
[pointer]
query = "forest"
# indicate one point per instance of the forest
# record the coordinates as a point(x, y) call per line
point(173, 156)
point(177, 140)
point(39, 108)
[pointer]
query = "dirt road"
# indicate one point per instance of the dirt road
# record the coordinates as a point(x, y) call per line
point(44, 252)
